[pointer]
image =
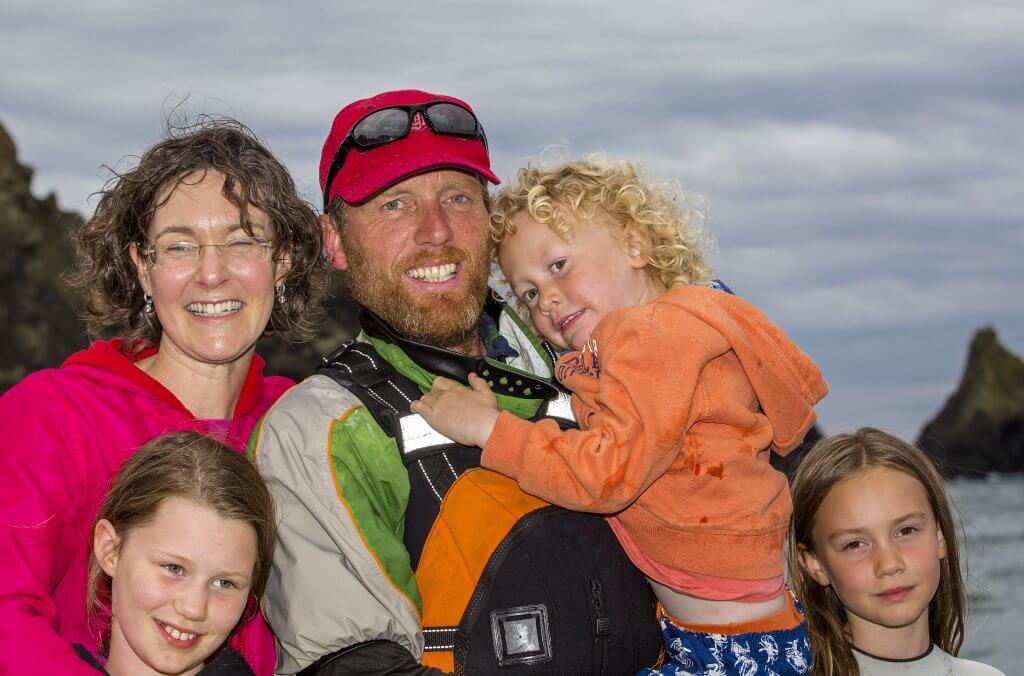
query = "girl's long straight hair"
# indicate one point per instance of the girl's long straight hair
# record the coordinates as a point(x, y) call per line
point(830, 461)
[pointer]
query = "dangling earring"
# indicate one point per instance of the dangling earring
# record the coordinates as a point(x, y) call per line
point(280, 293)
point(149, 303)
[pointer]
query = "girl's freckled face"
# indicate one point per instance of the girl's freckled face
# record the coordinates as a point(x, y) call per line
point(179, 585)
point(878, 545)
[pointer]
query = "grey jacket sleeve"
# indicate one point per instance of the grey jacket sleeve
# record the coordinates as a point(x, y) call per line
point(326, 591)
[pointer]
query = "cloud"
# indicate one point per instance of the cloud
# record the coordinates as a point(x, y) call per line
point(863, 161)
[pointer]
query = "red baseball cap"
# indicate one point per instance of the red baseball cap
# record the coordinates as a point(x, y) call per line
point(367, 172)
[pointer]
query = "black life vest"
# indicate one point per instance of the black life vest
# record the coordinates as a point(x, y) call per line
point(510, 584)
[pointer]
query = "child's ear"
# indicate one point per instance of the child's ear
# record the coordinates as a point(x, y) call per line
point(637, 258)
point(810, 562)
point(942, 544)
point(638, 248)
point(106, 545)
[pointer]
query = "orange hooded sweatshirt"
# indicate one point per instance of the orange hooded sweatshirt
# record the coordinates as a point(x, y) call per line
point(680, 402)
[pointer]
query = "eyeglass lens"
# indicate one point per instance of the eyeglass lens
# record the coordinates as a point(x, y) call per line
point(177, 254)
point(390, 124)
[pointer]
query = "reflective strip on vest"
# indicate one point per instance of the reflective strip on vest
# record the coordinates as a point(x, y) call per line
point(417, 434)
point(560, 407)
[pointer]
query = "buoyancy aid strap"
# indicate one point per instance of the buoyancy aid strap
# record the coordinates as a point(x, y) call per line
point(439, 638)
point(417, 437)
point(359, 368)
point(439, 473)
point(387, 394)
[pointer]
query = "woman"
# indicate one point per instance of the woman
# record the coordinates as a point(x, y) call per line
point(192, 255)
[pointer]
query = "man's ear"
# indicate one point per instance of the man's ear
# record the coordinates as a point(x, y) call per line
point(141, 267)
point(332, 243)
point(810, 562)
point(106, 545)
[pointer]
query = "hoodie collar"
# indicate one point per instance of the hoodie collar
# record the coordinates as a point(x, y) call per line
point(110, 356)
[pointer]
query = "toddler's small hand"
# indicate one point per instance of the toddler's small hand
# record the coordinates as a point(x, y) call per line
point(460, 413)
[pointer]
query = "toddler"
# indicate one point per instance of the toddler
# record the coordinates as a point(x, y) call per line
point(681, 392)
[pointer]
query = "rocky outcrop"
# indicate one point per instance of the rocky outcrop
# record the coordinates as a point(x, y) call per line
point(981, 427)
point(40, 321)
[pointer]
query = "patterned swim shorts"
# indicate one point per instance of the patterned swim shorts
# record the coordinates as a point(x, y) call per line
point(781, 652)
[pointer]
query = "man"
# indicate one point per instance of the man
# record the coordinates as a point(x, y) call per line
point(394, 547)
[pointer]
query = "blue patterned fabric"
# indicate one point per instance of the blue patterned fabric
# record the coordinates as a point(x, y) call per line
point(720, 285)
point(783, 652)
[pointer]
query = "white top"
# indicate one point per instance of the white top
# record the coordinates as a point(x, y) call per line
point(935, 662)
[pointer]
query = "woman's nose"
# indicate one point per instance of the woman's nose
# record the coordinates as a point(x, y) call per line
point(212, 267)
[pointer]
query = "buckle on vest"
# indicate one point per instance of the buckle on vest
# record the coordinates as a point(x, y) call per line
point(342, 349)
point(521, 635)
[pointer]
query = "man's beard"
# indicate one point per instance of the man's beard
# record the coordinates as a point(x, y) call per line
point(448, 319)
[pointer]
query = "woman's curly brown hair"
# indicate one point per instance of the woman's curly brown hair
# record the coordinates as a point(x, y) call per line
point(253, 179)
point(675, 235)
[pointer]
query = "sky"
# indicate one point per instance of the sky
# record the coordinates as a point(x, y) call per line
point(863, 162)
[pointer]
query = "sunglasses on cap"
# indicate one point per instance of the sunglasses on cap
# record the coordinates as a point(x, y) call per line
point(394, 123)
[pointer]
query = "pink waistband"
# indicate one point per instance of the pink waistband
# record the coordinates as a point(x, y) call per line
point(701, 586)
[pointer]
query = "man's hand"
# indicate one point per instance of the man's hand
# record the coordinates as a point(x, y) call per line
point(462, 414)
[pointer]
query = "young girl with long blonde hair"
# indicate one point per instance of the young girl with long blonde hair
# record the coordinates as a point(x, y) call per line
point(874, 557)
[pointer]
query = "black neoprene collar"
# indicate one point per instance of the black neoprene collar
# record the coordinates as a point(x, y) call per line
point(458, 366)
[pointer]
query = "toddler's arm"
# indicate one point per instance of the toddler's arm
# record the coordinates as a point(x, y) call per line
point(462, 414)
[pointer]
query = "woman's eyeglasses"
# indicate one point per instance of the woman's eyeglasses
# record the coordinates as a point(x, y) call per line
point(181, 254)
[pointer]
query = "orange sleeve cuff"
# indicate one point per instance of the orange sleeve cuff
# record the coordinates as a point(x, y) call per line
point(504, 449)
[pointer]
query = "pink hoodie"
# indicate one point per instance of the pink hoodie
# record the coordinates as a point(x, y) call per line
point(64, 433)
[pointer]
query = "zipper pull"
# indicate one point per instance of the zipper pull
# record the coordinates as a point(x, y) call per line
point(603, 624)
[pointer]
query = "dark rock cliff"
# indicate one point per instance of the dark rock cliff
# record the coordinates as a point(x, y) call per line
point(40, 321)
point(981, 427)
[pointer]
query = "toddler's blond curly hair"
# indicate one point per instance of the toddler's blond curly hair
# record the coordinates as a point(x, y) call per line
point(675, 236)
